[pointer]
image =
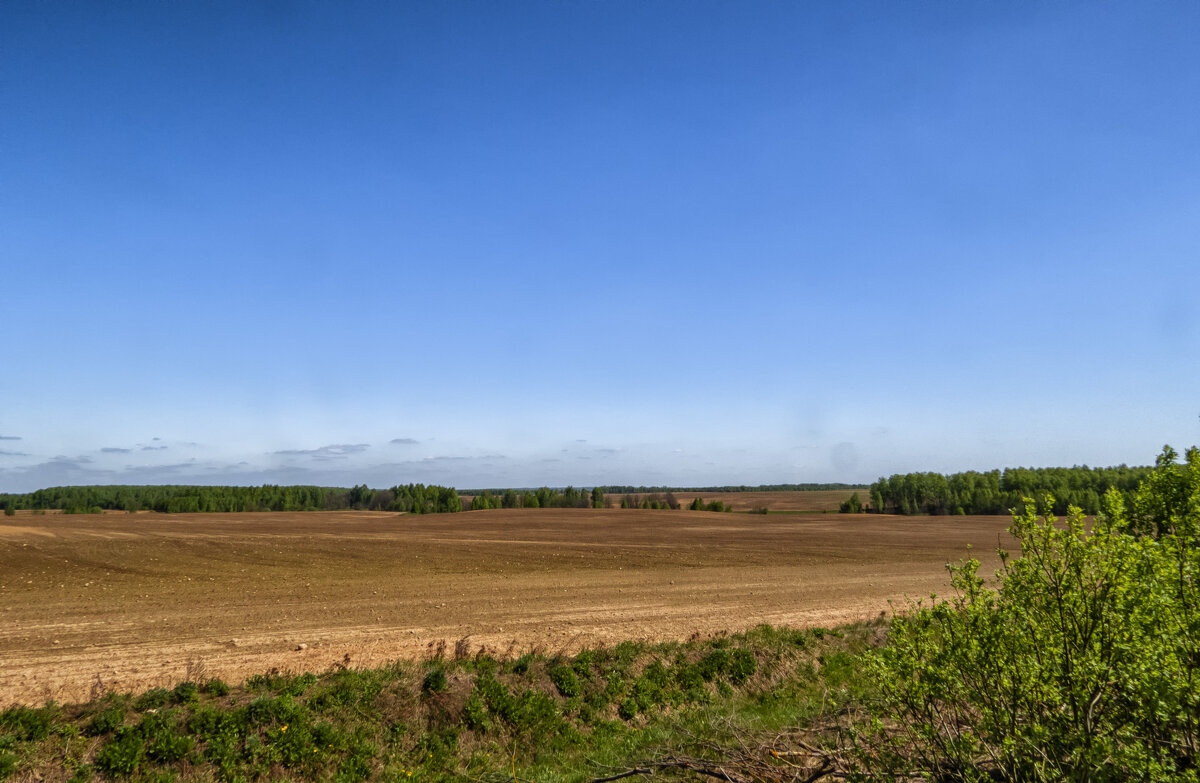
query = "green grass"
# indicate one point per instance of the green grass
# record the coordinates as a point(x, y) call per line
point(544, 718)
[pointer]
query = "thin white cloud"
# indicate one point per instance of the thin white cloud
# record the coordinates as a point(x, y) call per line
point(404, 441)
point(334, 451)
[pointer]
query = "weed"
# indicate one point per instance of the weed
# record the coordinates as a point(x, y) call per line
point(293, 744)
point(688, 677)
point(565, 680)
point(107, 720)
point(28, 723)
point(435, 681)
point(266, 710)
point(521, 665)
point(358, 762)
point(475, 715)
point(152, 699)
point(216, 688)
point(741, 666)
point(186, 693)
point(166, 746)
point(8, 764)
point(713, 665)
point(122, 754)
point(625, 653)
point(583, 663)
point(437, 747)
point(83, 773)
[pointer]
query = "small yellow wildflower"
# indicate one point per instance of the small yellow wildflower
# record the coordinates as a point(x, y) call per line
point(283, 728)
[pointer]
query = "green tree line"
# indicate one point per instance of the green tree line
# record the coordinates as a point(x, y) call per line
point(543, 497)
point(999, 492)
point(184, 499)
point(628, 490)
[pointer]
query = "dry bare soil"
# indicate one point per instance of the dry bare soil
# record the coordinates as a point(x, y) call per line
point(129, 601)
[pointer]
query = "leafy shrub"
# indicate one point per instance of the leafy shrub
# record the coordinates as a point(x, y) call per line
point(29, 723)
point(535, 712)
point(688, 677)
point(166, 745)
point(1082, 663)
point(280, 710)
point(713, 664)
point(565, 680)
point(521, 664)
point(741, 666)
point(435, 681)
point(357, 764)
point(215, 687)
point(292, 743)
point(122, 754)
point(438, 747)
point(345, 688)
point(625, 653)
point(326, 737)
point(475, 714)
point(583, 663)
point(152, 699)
point(8, 765)
point(107, 720)
point(627, 709)
point(186, 692)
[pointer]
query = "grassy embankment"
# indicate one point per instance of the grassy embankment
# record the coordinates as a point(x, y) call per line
point(544, 717)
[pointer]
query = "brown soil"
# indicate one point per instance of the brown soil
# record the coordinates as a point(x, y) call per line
point(129, 601)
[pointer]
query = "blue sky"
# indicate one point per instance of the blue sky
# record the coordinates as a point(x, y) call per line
point(494, 244)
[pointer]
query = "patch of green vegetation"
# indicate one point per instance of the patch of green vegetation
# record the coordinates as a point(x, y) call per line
point(552, 716)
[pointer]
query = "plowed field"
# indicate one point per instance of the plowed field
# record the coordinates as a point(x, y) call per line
point(133, 600)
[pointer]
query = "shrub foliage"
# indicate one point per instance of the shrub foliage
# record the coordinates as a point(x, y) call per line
point(1079, 664)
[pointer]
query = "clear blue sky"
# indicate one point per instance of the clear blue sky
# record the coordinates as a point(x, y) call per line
point(594, 242)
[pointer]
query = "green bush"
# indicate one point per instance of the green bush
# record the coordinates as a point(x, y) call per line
point(583, 663)
point(741, 666)
point(152, 699)
point(167, 746)
point(215, 688)
point(1081, 664)
point(713, 664)
point(277, 711)
point(107, 720)
point(475, 714)
point(186, 692)
point(29, 723)
point(565, 680)
point(521, 664)
point(435, 681)
point(122, 754)
point(8, 765)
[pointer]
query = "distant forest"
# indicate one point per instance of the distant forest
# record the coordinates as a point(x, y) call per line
point(413, 498)
point(972, 492)
point(997, 492)
point(619, 489)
